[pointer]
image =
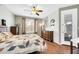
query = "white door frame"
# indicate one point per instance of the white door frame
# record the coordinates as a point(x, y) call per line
point(74, 24)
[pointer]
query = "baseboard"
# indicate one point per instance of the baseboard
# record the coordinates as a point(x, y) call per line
point(58, 43)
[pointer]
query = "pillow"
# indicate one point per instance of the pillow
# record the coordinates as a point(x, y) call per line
point(2, 37)
point(7, 34)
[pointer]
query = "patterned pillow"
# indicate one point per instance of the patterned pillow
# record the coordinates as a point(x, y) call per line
point(7, 34)
point(2, 37)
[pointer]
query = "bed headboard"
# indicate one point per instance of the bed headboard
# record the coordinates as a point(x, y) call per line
point(3, 29)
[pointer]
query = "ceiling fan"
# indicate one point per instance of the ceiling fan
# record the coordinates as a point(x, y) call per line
point(34, 10)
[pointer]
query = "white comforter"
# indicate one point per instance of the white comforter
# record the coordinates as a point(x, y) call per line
point(36, 43)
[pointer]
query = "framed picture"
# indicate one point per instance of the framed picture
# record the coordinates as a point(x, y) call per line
point(52, 22)
point(3, 22)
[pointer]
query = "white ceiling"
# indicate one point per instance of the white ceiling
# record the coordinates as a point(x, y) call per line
point(19, 9)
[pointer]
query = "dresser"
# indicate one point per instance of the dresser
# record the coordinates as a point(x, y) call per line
point(13, 30)
point(47, 35)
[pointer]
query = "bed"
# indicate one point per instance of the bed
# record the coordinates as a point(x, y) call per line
point(21, 44)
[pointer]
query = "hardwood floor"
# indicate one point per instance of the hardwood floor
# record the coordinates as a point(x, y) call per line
point(54, 48)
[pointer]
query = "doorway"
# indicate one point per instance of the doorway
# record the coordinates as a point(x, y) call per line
point(68, 25)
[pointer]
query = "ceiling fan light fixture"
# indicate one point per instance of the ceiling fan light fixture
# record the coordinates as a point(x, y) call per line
point(33, 12)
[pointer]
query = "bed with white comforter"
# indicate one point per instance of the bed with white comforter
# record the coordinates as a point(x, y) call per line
point(22, 44)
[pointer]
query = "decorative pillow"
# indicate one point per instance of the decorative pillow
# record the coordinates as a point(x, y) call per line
point(2, 37)
point(7, 34)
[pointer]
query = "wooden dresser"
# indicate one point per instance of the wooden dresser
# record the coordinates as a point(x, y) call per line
point(13, 30)
point(47, 35)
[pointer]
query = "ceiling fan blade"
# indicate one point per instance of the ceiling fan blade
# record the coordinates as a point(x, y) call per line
point(40, 10)
point(37, 14)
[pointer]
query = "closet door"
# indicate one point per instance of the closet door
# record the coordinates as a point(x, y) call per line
point(29, 25)
point(68, 25)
